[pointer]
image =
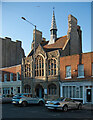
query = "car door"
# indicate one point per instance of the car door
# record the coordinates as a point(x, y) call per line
point(35, 100)
point(73, 104)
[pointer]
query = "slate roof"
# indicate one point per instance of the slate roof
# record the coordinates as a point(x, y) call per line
point(59, 43)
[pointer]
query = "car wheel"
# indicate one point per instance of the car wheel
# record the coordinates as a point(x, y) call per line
point(24, 104)
point(80, 106)
point(15, 105)
point(41, 103)
point(65, 108)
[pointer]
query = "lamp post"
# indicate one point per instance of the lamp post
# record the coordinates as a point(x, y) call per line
point(34, 45)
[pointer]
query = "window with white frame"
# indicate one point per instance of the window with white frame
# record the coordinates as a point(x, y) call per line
point(0, 90)
point(5, 77)
point(81, 70)
point(11, 76)
point(73, 91)
point(18, 76)
point(68, 71)
point(6, 91)
point(0, 77)
point(92, 69)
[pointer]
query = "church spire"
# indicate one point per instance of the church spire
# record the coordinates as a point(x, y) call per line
point(53, 30)
point(53, 24)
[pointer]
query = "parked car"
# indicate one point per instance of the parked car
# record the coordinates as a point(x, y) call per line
point(63, 104)
point(5, 99)
point(25, 99)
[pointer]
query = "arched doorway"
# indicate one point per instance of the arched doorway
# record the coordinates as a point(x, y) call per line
point(39, 91)
point(27, 89)
point(52, 89)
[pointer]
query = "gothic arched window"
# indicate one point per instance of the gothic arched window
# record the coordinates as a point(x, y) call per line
point(52, 67)
point(39, 66)
point(27, 70)
point(52, 89)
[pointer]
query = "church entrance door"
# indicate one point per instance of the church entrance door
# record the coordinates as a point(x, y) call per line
point(39, 91)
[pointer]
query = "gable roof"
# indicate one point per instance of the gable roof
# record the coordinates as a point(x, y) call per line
point(59, 43)
point(31, 53)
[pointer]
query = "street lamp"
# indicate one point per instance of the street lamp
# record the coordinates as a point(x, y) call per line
point(34, 42)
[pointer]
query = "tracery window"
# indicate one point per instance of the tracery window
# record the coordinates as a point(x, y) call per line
point(27, 70)
point(39, 66)
point(52, 89)
point(52, 67)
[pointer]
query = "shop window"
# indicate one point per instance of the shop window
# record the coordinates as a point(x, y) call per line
point(70, 91)
point(0, 77)
point(6, 91)
point(74, 91)
point(66, 91)
point(64, 95)
point(81, 70)
point(5, 77)
point(18, 89)
point(77, 91)
point(68, 71)
point(81, 91)
point(11, 76)
point(12, 90)
point(18, 76)
point(0, 90)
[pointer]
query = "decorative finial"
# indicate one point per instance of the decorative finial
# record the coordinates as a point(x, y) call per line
point(53, 8)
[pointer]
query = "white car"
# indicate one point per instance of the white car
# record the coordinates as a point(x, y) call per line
point(63, 104)
point(26, 98)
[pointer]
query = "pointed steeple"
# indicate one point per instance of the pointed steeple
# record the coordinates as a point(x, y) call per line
point(53, 30)
point(53, 24)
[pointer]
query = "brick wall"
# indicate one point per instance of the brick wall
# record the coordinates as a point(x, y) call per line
point(9, 70)
point(74, 60)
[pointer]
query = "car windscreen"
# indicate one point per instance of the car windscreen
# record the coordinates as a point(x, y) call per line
point(60, 99)
point(17, 96)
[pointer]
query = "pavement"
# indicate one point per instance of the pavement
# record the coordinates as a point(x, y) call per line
point(6, 100)
point(88, 106)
